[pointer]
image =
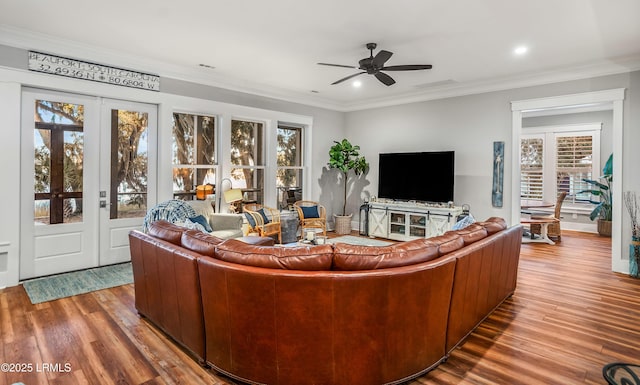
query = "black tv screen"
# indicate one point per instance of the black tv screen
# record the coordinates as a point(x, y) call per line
point(419, 176)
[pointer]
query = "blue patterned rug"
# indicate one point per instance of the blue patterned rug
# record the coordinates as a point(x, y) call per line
point(77, 282)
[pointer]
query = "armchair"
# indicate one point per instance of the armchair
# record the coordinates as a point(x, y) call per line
point(312, 215)
point(263, 220)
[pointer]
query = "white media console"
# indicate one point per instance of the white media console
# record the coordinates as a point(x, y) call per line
point(403, 221)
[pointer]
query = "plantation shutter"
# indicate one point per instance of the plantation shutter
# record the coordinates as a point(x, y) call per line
point(574, 162)
point(531, 167)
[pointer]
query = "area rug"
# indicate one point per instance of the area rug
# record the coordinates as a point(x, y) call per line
point(77, 282)
point(359, 241)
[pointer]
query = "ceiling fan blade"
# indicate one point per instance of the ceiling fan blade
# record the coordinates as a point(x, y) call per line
point(411, 67)
point(336, 65)
point(384, 78)
point(348, 77)
point(381, 58)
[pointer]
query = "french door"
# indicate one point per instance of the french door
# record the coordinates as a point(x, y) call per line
point(86, 177)
point(127, 174)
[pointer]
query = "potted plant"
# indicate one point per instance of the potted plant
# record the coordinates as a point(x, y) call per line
point(602, 188)
point(346, 157)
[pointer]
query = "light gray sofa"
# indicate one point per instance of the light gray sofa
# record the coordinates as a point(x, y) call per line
point(224, 226)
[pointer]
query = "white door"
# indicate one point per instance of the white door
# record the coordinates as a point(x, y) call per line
point(59, 212)
point(127, 174)
point(87, 179)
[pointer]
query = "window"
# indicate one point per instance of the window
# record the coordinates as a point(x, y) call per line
point(531, 154)
point(574, 162)
point(194, 153)
point(557, 159)
point(247, 159)
point(289, 163)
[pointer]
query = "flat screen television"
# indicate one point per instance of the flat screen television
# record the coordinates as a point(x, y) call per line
point(419, 176)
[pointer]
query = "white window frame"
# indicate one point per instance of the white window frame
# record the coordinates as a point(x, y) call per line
point(264, 161)
point(302, 148)
point(549, 135)
point(217, 128)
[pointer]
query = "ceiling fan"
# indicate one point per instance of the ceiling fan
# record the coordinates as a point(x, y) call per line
point(372, 65)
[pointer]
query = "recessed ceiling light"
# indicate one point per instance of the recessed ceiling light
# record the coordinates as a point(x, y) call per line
point(357, 83)
point(521, 50)
point(206, 66)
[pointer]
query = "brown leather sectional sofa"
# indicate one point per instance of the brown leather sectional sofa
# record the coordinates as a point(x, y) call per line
point(327, 314)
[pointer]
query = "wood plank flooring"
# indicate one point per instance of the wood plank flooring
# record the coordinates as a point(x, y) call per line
point(570, 315)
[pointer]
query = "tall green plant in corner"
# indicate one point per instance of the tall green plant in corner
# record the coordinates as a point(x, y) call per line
point(603, 211)
point(346, 157)
point(602, 189)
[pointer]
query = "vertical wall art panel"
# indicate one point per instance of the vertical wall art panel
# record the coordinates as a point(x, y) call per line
point(498, 174)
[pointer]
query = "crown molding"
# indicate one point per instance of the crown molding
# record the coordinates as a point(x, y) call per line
point(29, 40)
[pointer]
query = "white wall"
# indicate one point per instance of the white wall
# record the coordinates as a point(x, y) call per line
point(469, 125)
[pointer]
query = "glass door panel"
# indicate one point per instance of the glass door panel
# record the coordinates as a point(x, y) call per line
point(129, 163)
point(58, 162)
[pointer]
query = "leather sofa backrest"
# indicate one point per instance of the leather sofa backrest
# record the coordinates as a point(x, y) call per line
point(471, 233)
point(334, 327)
point(493, 225)
point(167, 231)
point(448, 243)
point(202, 243)
point(351, 257)
point(317, 257)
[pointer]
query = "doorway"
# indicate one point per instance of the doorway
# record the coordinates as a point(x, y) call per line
point(87, 178)
point(614, 99)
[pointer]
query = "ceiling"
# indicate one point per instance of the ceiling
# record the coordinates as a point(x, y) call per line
point(271, 48)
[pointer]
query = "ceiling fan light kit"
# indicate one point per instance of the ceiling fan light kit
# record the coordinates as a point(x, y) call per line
point(373, 65)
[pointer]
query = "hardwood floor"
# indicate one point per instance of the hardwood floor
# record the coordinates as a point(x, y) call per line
point(570, 315)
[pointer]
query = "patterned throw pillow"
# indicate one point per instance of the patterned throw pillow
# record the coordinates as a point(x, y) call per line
point(464, 222)
point(194, 225)
point(203, 221)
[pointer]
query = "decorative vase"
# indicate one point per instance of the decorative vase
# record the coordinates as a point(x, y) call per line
point(634, 256)
point(343, 224)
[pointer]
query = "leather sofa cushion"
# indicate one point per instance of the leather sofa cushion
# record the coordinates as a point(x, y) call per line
point(493, 225)
point(275, 257)
point(471, 233)
point(448, 242)
point(166, 231)
point(202, 243)
point(352, 257)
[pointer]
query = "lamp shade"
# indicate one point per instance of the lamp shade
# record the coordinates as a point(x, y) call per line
point(233, 195)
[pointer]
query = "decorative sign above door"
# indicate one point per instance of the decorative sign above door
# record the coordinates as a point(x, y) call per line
point(78, 69)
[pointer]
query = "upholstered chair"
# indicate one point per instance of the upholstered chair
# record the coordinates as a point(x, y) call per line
point(312, 215)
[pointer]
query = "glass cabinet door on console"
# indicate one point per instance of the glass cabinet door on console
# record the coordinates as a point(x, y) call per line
point(397, 225)
point(417, 225)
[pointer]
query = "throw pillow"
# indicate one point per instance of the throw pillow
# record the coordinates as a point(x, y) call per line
point(194, 225)
point(250, 219)
point(464, 222)
point(203, 221)
point(264, 216)
point(310, 211)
